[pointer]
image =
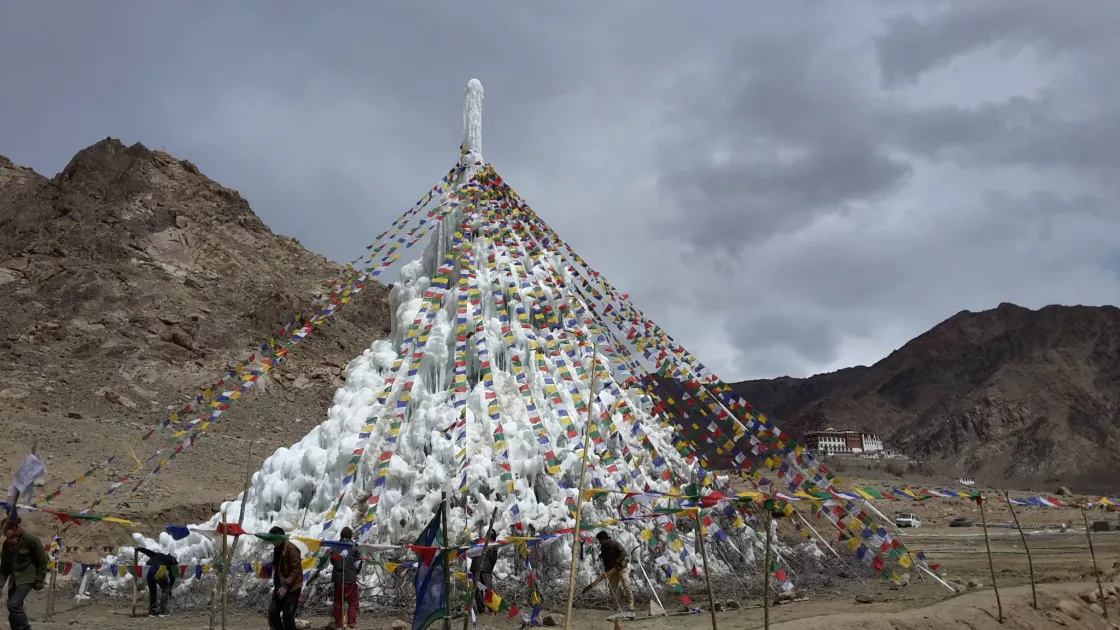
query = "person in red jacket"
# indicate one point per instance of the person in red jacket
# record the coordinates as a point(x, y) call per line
point(346, 565)
point(287, 581)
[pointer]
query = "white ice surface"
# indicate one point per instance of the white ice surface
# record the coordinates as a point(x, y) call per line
point(297, 485)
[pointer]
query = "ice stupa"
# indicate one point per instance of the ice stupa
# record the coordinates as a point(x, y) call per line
point(482, 394)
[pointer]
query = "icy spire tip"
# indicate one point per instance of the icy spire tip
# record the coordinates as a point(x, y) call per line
point(472, 119)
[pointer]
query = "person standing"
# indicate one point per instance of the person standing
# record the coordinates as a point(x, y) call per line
point(287, 581)
point(23, 565)
point(169, 566)
point(483, 567)
point(616, 559)
point(346, 565)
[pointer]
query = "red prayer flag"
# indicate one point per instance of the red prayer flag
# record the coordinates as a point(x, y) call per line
point(230, 529)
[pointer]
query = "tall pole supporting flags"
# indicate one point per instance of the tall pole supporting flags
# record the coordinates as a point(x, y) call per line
point(579, 489)
point(988, 546)
point(1026, 547)
point(446, 566)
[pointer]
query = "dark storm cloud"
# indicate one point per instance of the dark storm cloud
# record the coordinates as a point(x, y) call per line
point(783, 188)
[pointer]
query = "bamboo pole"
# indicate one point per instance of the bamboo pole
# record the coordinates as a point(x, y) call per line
point(766, 571)
point(446, 567)
point(898, 534)
point(653, 591)
point(579, 489)
point(1096, 571)
point(988, 546)
point(474, 578)
point(135, 578)
point(707, 567)
point(827, 544)
point(1026, 547)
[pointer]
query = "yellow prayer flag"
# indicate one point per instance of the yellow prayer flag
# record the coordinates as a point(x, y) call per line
point(313, 544)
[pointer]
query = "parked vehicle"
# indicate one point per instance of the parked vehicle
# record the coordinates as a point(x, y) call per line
point(960, 521)
point(907, 520)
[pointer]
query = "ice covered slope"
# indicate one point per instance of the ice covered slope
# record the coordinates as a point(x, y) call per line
point(482, 393)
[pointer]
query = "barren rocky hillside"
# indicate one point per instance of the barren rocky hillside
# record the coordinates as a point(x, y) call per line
point(1031, 396)
point(128, 282)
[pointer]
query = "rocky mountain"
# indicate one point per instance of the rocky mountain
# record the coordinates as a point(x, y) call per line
point(130, 281)
point(1011, 395)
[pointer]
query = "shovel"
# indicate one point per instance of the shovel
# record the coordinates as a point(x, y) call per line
point(598, 580)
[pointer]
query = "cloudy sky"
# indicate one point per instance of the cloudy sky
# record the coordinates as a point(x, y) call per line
point(787, 187)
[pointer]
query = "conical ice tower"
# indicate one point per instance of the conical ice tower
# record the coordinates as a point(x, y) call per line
point(482, 395)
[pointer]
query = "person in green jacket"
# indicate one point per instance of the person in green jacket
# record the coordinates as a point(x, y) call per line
point(23, 565)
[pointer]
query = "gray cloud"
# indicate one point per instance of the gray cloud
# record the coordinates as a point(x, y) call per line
point(914, 44)
point(784, 189)
point(874, 202)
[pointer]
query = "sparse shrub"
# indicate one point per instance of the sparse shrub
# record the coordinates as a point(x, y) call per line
point(920, 468)
point(896, 469)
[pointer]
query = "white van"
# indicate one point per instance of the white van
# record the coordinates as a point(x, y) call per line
point(907, 520)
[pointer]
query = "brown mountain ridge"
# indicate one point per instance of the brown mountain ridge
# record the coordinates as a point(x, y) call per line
point(1011, 395)
point(128, 283)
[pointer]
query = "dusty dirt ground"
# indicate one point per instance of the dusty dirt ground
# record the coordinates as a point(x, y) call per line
point(976, 610)
point(1062, 566)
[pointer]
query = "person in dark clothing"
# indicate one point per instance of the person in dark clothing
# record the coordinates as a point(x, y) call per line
point(346, 565)
point(614, 556)
point(287, 581)
point(162, 568)
point(483, 567)
point(23, 565)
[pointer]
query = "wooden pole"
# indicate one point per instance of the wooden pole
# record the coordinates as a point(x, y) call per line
point(225, 569)
point(226, 550)
point(766, 572)
point(51, 585)
point(52, 578)
point(707, 567)
point(1096, 571)
point(988, 546)
point(474, 578)
point(446, 567)
point(245, 490)
point(579, 489)
point(135, 578)
point(1026, 547)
